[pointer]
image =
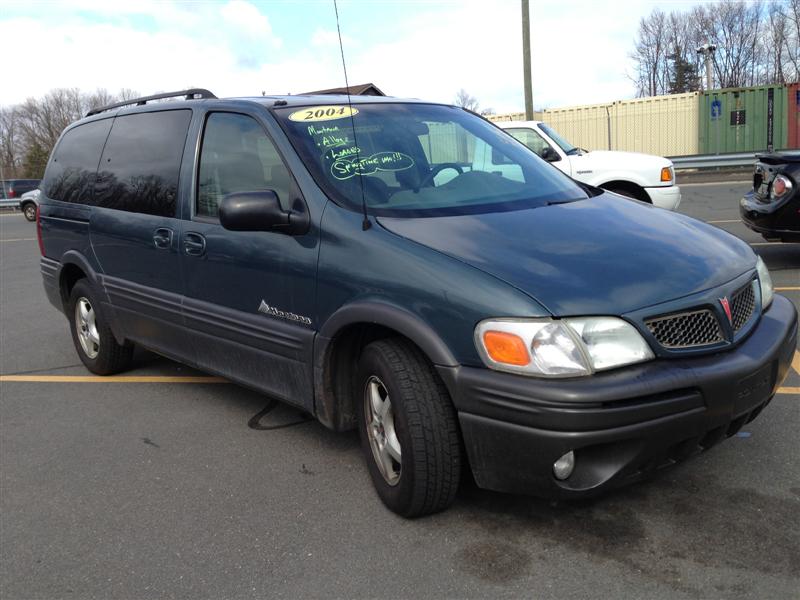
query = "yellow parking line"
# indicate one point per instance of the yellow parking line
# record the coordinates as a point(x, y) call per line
point(208, 379)
point(114, 379)
point(19, 240)
point(796, 362)
point(787, 289)
point(726, 221)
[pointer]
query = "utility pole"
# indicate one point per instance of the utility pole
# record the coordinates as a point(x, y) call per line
point(526, 59)
point(707, 51)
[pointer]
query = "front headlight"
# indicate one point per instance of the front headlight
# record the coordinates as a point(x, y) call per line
point(559, 348)
point(765, 281)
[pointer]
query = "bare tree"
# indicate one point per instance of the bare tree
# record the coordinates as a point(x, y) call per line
point(790, 12)
point(43, 120)
point(29, 130)
point(464, 100)
point(127, 94)
point(758, 42)
point(99, 98)
point(734, 28)
point(11, 149)
point(650, 54)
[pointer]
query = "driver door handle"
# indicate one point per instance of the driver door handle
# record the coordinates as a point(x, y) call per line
point(194, 244)
point(162, 238)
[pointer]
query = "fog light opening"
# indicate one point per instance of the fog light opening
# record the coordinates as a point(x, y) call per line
point(564, 466)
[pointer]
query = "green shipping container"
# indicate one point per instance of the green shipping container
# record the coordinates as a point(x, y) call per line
point(743, 119)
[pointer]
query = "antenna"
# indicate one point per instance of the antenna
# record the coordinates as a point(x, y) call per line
point(366, 223)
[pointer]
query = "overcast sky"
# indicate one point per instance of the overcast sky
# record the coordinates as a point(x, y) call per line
point(422, 49)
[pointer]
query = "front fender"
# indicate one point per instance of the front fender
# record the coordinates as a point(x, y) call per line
point(393, 317)
point(604, 177)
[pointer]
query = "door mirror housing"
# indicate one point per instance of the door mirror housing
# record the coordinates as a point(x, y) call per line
point(550, 155)
point(261, 211)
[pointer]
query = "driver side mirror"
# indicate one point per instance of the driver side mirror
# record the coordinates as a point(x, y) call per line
point(550, 155)
point(261, 211)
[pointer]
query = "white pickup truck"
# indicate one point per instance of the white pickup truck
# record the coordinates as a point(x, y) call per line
point(641, 176)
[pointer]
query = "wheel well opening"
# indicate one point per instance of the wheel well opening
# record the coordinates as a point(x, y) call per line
point(633, 189)
point(70, 275)
point(341, 368)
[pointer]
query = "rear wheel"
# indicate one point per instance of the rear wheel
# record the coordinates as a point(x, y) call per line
point(96, 345)
point(408, 428)
point(29, 210)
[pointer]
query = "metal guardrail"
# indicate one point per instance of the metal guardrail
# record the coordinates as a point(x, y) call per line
point(710, 161)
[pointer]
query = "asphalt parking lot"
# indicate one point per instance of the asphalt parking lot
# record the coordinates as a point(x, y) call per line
point(178, 487)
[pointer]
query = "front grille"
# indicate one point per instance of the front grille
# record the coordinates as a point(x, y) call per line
point(742, 306)
point(686, 330)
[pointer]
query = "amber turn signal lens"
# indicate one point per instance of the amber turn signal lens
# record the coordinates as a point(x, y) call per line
point(666, 174)
point(506, 348)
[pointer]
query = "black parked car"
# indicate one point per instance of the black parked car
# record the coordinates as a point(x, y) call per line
point(363, 260)
point(772, 207)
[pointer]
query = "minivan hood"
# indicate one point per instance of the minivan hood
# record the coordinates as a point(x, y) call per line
point(602, 256)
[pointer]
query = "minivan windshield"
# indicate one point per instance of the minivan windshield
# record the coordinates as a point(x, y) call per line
point(416, 160)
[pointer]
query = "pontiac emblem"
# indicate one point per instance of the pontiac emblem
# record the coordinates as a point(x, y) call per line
point(726, 306)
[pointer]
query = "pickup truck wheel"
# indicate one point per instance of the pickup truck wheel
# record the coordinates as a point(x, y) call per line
point(94, 342)
point(29, 210)
point(629, 192)
point(408, 429)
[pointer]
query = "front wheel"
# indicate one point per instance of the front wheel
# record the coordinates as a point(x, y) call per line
point(629, 192)
point(29, 210)
point(95, 343)
point(408, 428)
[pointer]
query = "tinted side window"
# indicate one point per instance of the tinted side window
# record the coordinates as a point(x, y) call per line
point(141, 163)
point(71, 170)
point(237, 156)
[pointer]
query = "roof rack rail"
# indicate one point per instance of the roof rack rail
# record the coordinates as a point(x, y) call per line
point(191, 94)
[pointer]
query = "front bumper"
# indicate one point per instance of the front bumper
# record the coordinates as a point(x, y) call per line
point(621, 424)
point(665, 197)
point(773, 220)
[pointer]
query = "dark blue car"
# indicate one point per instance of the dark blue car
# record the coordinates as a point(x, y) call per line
point(411, 270)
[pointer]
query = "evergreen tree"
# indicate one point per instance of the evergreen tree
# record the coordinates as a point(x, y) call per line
point(35, 161)
point(683, 76)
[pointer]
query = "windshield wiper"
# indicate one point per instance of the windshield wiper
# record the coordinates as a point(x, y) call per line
point(567, 201)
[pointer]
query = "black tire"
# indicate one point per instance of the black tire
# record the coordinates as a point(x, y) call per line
point(425, 424)
point(110, 357)
point(29, 210)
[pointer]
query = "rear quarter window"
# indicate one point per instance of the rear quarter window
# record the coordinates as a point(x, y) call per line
point(71, 171)
point(141, 162)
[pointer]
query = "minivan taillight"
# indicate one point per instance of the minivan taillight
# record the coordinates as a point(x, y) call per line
point(12, 193)
point(39, 230)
